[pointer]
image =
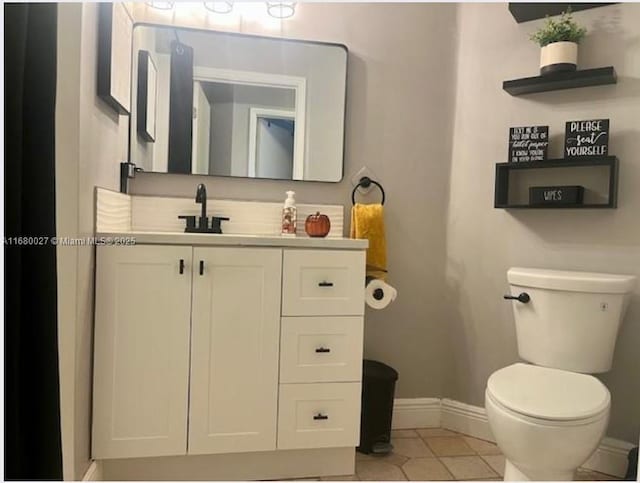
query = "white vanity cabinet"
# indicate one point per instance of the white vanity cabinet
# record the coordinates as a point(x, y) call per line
point(205, 350)
point(141, 351)
point(235, 332)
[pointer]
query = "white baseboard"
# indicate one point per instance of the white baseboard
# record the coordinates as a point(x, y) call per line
point(421, 412)
point(467, 419)
point(93, 473)
point(610, 458)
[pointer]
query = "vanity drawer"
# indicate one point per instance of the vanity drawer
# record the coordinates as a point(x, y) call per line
point(323, 282)
point(321, 349)
point(319, 415)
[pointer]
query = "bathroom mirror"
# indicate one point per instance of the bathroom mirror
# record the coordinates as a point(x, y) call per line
point(227, 104)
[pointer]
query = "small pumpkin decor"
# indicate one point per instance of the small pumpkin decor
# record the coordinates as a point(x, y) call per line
point(317, 225)
point(559, 41)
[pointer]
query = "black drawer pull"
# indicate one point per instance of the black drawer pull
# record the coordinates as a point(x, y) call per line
point(181, 266)
point(320, 417)
point(201, 267)
point(325, 284)
point(323, 350)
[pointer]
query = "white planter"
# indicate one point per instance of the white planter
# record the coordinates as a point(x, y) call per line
point(558, 57)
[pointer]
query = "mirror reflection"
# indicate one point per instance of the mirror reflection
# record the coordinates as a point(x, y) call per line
point(236, 105)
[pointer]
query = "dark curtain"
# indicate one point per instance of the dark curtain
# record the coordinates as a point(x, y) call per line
point(32, 404)
point(180, 108)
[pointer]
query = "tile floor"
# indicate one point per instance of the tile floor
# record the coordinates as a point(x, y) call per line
point(436, 454)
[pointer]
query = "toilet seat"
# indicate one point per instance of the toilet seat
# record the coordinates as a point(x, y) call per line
point(548, 394)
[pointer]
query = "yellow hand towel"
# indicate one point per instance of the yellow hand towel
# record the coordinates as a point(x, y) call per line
point(367, 221)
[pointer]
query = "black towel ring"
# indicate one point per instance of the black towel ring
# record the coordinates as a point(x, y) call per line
point(365, 182)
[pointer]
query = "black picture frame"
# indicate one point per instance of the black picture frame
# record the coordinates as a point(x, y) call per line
point(115, 34)
point(528, 143)
point(146, 104)
point(586, 138)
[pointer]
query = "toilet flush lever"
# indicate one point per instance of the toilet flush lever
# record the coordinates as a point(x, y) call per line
point(523, 297)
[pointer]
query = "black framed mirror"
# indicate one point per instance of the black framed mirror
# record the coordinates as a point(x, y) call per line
point(229, 104)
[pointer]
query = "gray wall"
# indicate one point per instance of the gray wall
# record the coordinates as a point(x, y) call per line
point(399, 120)
point(90, 142)
point(444, 334)
point(482, 243)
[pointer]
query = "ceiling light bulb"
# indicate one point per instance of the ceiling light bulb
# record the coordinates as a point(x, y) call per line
point(281, 9)
point(161, 5)
point(219, 6)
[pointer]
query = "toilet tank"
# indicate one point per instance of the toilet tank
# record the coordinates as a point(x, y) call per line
point(572, 318)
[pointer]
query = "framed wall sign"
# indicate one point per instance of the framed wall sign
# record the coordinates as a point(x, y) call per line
point(115, 31)
point(528, 143)
point(586, 138)
point(147, 96)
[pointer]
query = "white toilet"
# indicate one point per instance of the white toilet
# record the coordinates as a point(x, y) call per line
point(548, 418)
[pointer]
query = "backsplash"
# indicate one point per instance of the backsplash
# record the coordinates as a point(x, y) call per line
point(117, 212)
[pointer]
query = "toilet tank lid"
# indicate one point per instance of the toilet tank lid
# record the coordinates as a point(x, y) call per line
point(549, 394)
point(571, 281)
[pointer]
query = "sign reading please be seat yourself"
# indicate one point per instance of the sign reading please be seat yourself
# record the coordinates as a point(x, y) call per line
point(586, 138)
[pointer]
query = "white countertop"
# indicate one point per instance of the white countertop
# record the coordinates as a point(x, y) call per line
point(168, 238)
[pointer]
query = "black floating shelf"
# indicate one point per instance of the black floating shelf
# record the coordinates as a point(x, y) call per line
point(561, 80)
point(523, 12)
point(504, 169)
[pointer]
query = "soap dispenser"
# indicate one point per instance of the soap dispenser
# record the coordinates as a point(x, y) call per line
point(289, 215)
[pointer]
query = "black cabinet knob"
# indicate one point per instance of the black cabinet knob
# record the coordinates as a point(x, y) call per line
point(325, 284)
point(523, 297)
point(320, 417)
point(323, 350)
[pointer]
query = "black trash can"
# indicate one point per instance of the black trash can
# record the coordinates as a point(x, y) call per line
point(378, 387)
point(632, 469)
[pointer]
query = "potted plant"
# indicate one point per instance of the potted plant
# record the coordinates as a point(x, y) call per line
point(559, 40)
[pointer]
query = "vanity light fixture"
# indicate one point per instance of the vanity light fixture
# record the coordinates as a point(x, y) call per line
point(219, 6)
point(281, 9)
point(161, 5)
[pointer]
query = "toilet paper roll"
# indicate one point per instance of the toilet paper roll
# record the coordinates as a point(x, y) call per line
point(378, 294)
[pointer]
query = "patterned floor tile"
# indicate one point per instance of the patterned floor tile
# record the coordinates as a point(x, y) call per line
point(367, 470)
point(340, 478)
point(482, 447)
point(404, 433)
point(588, 475)
point(431, 432)
point(426, 469)
point(449, 446)
point(468, 467)
point(411, 448)
point(496, 461)
point(393, 458)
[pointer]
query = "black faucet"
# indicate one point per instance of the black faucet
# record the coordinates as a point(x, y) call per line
point(203, 225)
point(201, 197)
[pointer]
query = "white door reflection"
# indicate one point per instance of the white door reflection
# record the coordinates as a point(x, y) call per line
point(271, 144)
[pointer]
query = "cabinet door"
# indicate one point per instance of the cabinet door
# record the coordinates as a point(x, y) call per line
point(141, 355)
point(234, 353)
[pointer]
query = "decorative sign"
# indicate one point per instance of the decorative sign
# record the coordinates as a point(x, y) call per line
point(556, 195)
point(586, 138)
point(147, 96)
point(115, 31)
point(528, 143)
